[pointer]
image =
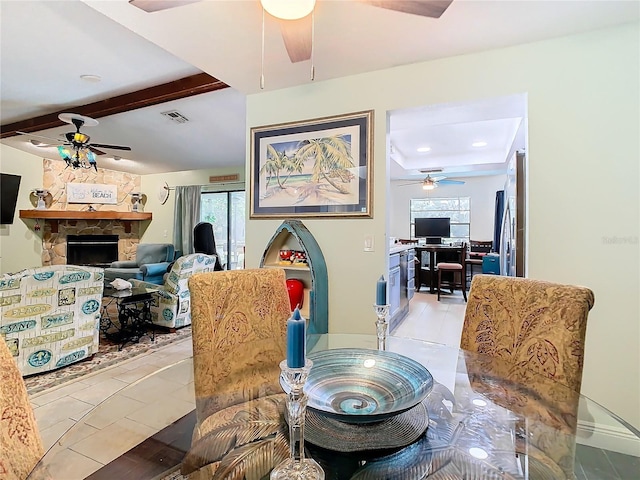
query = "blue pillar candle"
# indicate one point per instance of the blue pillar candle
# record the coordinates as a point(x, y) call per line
point(381, 291)
point(296, 340)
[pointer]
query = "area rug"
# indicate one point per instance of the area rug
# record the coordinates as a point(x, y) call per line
point(108, 355)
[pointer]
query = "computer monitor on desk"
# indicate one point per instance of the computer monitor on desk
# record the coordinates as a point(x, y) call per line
point(432, 229)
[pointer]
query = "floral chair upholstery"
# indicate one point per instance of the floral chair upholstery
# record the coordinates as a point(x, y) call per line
point(550, 407)
point(171, 307)
point(20, 444)
point(538, 328)
point(529, 323)
point(49, 316)
point(239, 339)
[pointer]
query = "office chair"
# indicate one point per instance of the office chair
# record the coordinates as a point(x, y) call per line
point(205, 242)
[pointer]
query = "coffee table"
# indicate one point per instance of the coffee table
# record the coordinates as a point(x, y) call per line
point(134, 315)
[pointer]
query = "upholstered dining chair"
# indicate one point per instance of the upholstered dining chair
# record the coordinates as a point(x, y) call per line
point(533, 325)
point(20, 444)
point(239, 322)
point(537, 330)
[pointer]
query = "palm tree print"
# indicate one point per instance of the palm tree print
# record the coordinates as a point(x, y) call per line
point(309, 169)
point(331, 158)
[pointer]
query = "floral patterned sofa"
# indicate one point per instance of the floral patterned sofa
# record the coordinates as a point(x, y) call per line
point(50, 316)
point(172, 306)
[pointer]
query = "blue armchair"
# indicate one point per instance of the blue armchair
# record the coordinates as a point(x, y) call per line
point(151, 263)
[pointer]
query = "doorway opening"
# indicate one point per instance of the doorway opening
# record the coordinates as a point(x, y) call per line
point(441, 153)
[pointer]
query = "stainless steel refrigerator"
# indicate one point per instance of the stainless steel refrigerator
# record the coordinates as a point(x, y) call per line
point(512, 232)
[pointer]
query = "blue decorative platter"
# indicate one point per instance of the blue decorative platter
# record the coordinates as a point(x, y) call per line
point(361, 386)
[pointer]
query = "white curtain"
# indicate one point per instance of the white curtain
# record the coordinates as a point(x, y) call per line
point(186, 216)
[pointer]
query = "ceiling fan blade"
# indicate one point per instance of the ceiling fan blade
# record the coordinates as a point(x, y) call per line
point(156, 5)
point(297, 38)
point(451, 182)
point(96, 151)
point(113, 147)
point(424, 8)
point(49, 139)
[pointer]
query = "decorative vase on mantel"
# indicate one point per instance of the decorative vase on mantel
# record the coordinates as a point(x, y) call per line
point(41, 193)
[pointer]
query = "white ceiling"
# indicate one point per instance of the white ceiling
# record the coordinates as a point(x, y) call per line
point(46, 46)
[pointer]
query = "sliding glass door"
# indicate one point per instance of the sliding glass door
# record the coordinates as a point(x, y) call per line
point(225, 211)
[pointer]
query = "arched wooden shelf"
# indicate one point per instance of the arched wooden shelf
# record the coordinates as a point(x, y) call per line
point(292, 234)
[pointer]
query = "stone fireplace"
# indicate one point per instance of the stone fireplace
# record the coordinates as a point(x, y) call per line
point(56, 233)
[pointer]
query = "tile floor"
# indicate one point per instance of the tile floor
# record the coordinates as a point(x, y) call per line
point(135, 413)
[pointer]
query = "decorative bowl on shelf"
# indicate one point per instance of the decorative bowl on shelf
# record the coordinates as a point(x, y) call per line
point(361, 386)
point(285, 255)
point(300, 257)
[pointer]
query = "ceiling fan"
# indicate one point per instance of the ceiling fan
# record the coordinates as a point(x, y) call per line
point(297, 32)
point(430, 183)
point(77, 151)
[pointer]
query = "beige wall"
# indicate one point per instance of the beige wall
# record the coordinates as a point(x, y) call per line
point(583, 151)
point(160, 229)
point(20, 246)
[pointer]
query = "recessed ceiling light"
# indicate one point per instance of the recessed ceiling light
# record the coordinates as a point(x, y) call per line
point(424, 149)
point(478, 402)
point(91, 78)
point(38, 143)
point(117, 158)
point(479, 144)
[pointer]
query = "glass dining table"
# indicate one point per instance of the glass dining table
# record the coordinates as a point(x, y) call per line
point(482, 419)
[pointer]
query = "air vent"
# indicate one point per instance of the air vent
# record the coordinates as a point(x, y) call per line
point(431, 170)
point(175, 116)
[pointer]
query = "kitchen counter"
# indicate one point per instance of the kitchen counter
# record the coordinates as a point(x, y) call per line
point(397, 248)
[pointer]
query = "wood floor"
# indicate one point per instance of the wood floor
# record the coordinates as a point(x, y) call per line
point(154, 456)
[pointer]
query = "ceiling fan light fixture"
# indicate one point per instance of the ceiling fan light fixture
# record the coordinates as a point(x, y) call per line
point(288, 9)
point(80, 137)
point(78, 157)
point(429, 185)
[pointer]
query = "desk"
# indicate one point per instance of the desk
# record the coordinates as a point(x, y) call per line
point(474, 409)
point(433, 250)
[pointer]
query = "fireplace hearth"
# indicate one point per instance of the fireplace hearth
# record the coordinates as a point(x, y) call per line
point(93, 250)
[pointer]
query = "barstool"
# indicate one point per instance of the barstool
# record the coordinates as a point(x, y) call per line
point(456, 269)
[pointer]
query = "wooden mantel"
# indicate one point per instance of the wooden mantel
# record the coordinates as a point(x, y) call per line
point(55, 215)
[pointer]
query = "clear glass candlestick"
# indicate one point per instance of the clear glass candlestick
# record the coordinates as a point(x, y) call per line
point(296, 467)
point(382, 326)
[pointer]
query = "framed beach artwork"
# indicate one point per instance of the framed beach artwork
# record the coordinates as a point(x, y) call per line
point(313, 168)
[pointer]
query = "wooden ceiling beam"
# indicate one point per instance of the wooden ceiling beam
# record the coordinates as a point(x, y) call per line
point(182, 88)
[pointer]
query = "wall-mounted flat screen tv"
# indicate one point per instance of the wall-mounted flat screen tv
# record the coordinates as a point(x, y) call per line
point(432, 227)
point(9, 187)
